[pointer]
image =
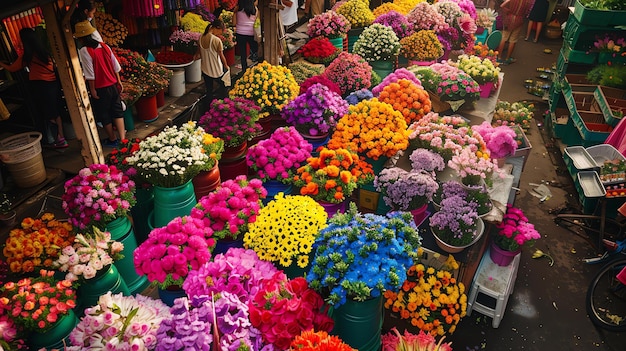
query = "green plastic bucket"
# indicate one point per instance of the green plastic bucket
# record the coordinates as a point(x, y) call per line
point(359, 323)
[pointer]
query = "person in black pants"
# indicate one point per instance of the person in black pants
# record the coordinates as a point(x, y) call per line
point(246, 13)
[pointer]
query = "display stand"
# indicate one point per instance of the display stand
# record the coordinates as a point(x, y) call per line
point(483, 109)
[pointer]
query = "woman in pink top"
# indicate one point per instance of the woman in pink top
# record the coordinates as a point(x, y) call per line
point(245, 15)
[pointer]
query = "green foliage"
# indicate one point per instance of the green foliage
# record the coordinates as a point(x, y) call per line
point(610, 76)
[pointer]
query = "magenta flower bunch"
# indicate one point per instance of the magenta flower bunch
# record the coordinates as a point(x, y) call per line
point(229, 209)
point(238, 271)
point(170, 252)
point(97, 195)
point(185, 41)
point(278, 157)
point(455, 84)
point(501, 140)
point(393, 77)
point(425, 16)
point(610, 43)
point(514, 231)
point(319, 79)
point(9, 337)
point(398, 23)
point(329, 24)
point(350, 71)
point(405, 190)
point(232, 120)
point(463, 24)
point(316, 111)
point(467, 7)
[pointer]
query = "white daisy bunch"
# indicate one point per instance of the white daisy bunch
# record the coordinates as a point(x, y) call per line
point(377, 43)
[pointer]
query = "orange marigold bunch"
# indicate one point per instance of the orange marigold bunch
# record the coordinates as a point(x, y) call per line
point(333, 175)
point(318, 341)
point(406, 97)
point(371, 128)
point(37, 243)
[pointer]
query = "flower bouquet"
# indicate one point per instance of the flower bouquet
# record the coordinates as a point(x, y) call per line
point(278, 157)
point(10, 339)
point(371, 137)
point(319, 79)
point(350, 71)
point(37, 303)
point(394, 77)
point(170, 252)
point(232, 120)
point(333, 176)
point(514, 231)
point(88, 255)
point(176, 155)
point(218, 322)
point(311, 340)
point(408, 98)
point(228, 38)
point(610, 44)
point(130, 93)
point(517, 113)
point(460, 33)
point(36, 243)
point(303, 70)
point(485, 18)
point(427, 161)
point(481, 70)
point(229, 209)
point(397, 22)
point(316, 111)
point(477, 195)
point(377, 43)
point(456, 222)
point(393, 341)
point(501, 141)
point(173, 57)
point(97, 195)
point(357, 12)
point(194, 22)
point(184, 41)
point(285, 229)
point(484, 52)
point(269, 87)
point(329, 24)
point(357, 96)
point(433, 289)
point(424, 16)
point(454, 84)
point(422, 45)
point(472, 166)
point(120, 322)
point(319, 50)
point(405, 190)
point(284, 308)
point(359, 256)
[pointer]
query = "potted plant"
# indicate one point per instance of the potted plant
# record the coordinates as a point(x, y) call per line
point(115, 320)
point(501, 141)
point(232, 120)
point(394, 77)
point(350, 71)
point(424, 16)
point(319, 50)
point(329, 24)
point(357, 96)
point(228, 38)
point(480, 196)
point(456, 225)
point(513, 232)
point(284, 232)
point(312, 340)
point(316, 111)
point(19, 245)
point(485, 18)
point(454, 84)
point(97, 195)
point(445, 135)
point(407, 97)
point(423, 46)
point(283, 308)
point(377, 43)
point(366, 139)
point(8, 216)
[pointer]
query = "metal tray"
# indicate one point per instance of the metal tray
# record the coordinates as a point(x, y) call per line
point(580, 157)
point(590, 183)
point(603, 152)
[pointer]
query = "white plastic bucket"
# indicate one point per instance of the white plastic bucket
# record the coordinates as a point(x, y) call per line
point(177, 84)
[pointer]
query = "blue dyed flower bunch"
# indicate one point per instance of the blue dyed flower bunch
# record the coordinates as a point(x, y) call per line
point(359, 256)
point(357, 96)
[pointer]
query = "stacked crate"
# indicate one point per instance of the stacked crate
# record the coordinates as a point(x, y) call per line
point(581, 113)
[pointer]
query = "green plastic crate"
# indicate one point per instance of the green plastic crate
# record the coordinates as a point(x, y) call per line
point(586, 15)
point(610, 101)
point(592, 128)
point(582, 55)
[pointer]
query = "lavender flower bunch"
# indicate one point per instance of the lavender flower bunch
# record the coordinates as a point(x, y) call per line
point(357, 96)
point(316, 111)
point(455, 222)
point(426, 160)
point(404, 190)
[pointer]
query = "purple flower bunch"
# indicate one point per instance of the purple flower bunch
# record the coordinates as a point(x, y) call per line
point(231, 207)
point(357, 96)
point(191, 325)
point(278, 157)
point(316, 111)
point(501, 141)
point(232, 120)
point(463, 24)
point(425, 16)
point(405, 191)
point(426, 160)
point(455, 222)
point(350, 71)
point(393, 77)
point(319, 79)
point(238, 271)
point(478, 195)
point(329, 24)
point(398, 23)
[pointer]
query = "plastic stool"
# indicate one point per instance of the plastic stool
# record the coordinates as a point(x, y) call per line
point(495, 282)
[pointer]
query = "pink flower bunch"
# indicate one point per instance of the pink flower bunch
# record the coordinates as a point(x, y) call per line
point(467, 6)
point(329, 24)
point(425, 16)
point(8, 334)
point(393, 341)
point(278, 157)
point(458, 86)
point(350, 71)
point(463, 24)
point(231, 207)
point(501, 140)
point(238, 271)
point(284, 308)
point(393, 77)
point(514, 231)
point(233, 120)
point(309, 82)
point(97, 195)
point(315, 111)
point(170, 252)
point(446, 135)
point(470, 166)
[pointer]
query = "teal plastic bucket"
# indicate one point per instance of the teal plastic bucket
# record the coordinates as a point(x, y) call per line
point(90, 290)
point(337, 42)
point(359, 323)
point(170, 203)
point(129, 120)
point(121, 230)
point(56, 337)
point(169, 295)
point(140, 212)
point(383, 68)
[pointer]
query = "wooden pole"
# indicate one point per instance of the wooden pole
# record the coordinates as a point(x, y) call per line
point(269, 25)
point(65, 55)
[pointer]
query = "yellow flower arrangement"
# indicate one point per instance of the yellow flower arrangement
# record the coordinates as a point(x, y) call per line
point(431, 298)
point(385, 8)
point(285, 229)
point(371, 128)
point(192, 22)
point(482, 70)
point(421, 46)
point(357, 12)
point(269, 87)
point(37, 243)
point(406, 5)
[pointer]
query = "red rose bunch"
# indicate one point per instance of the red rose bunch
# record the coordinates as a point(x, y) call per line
point(319, 50)
point(173, 57)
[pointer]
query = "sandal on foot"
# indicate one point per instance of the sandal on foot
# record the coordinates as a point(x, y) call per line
point(60, 144)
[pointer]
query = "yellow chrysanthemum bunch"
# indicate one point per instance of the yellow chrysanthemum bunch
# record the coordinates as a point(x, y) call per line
point(406, 6)
point(431, 299)
point(421, 46)
point(357, 12)
point(192, 22)
point(285, 229)
point(113, 32)
point(482, 70)
point(371, 128)
point(269, 87)
point(385, 8)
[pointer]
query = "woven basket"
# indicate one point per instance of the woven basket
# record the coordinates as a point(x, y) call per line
point(22, 155)
point(437, 104)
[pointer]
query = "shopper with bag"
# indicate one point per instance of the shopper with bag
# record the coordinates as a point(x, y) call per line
point(215, 70)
